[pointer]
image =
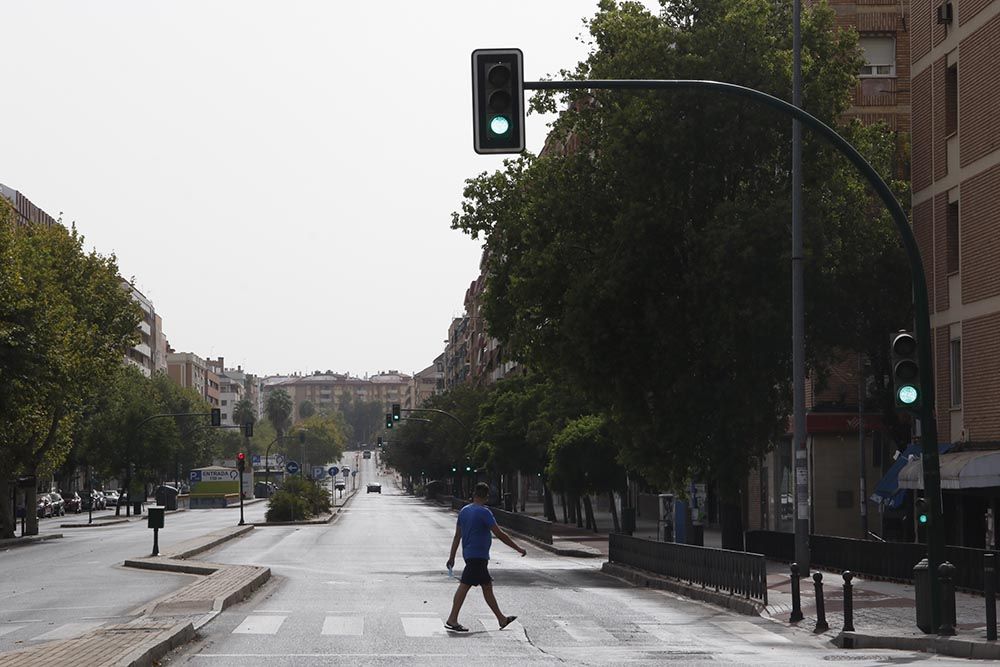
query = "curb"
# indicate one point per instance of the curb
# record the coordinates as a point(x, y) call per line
point(649, 580)
point(950, 646)
point(28, 539)
point(180, 635)
point(93, 525)
point(211, 544)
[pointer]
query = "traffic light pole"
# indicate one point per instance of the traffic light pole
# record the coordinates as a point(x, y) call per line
point(928, 422)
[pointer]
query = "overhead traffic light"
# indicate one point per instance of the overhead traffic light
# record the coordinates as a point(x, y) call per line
point(907, 393)
point(380, 441)
point(395, 412)
point(498, 100)
point(216, 417)
point(241, 461)
point(388, 420)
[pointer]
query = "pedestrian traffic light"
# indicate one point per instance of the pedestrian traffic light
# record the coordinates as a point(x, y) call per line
point(216, 417)
point(395, 412)
point(248, 430)
point(498, 100)
point(241, 461)
point(920, 510)
point(907, 394)
point(388, 420)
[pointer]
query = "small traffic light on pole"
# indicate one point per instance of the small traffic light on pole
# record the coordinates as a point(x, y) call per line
point(380, 441)
point(395, 412)
point(907, 394)
point(921, 510)
point(241, 461)
point(388, 420)
point(498, 100)
point(216, 417)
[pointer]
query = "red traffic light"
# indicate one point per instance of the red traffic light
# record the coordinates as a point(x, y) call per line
point(241, 456)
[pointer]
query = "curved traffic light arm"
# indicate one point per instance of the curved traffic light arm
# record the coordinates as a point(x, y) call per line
point(928, 424)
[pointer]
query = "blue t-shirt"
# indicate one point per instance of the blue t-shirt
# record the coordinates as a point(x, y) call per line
point(476, 522)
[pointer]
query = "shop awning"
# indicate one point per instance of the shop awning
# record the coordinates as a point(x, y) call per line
point(889, 491)
point(959, 470)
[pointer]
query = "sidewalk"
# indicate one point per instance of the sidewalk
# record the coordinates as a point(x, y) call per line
point(884, 611)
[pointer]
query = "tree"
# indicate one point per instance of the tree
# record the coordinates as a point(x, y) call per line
point(66, 320)
point(363, 419)
point(278, 409)
point(306, 409)
point(324, 438)
point(244, 412)
point(644, 256)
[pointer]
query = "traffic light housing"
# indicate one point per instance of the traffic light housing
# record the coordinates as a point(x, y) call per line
point(921, 511)
point(241, 461)
point(380, 441)
point(907, 393)
point(498, 100)
point(395, 412)
point(216, 417)
point(388, 420)
point(248, 430)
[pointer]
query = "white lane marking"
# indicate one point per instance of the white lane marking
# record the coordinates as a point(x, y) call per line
point(418, 613)
point(513, 632)
point(344, 625)
point(270, 611)
point(68, 631)
point(259, 625)
point(750, 632)
point(586, 631)
point(423, 627)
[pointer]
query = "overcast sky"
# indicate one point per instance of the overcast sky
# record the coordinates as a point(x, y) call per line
point(277, 176)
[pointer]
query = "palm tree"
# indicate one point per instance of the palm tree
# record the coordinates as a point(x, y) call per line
point(244, 413)
point(279, 410)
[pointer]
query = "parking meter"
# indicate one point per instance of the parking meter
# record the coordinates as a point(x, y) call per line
point(155, 521)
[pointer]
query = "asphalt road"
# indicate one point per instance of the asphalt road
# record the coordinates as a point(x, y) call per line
point(61, 588)
point(372, 588)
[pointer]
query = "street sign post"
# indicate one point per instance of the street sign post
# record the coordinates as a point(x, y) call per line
point(333, 471)
point(292, 468)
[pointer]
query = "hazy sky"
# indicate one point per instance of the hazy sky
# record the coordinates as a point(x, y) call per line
point(278, 176)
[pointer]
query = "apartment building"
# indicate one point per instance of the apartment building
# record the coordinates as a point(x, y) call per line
point(956, 188)
point(189, 370)
point(143, 355)
point(327, 390)
point(25, 211)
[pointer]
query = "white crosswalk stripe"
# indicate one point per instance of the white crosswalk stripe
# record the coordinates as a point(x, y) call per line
point(260, 624)
point(68, 631)
point(344, 625)
point(513, 632)
point(752, 633)
point(423, 626)
point(585, 630)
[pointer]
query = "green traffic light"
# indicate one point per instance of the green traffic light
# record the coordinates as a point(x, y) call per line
point(922, 518)
point(499, 125)
point(907, 394)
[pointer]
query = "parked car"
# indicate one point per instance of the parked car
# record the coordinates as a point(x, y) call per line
point(44, 504)
point(110, 498)
point(374, 488)
point(58, 504)
point(74, 503)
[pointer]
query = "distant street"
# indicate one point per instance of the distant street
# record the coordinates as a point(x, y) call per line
point(371, 588)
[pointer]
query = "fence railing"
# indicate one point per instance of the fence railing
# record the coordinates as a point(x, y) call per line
point(889, 560)
point(733, 572)
point(540, 529)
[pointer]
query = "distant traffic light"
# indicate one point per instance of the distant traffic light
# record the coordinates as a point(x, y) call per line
point(498, 100)
point(454, 469)
point(216, 417)
point(907, 393)
point(395, 412)
point(920, 509)
point(248, 430)
point(241, 461)
point(468, 468)
point(380, 441)
point(388, 420)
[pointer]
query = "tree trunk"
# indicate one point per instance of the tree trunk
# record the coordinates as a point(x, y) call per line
point(31, 510)
point(614, 512)
point(588, 507)
point(522, 488)
point(578, 510)
point(8, 521)
point(562, 500)
point(550, 510)
point(731, 516)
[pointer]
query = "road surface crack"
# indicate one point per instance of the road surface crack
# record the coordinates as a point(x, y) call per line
point(538, 648)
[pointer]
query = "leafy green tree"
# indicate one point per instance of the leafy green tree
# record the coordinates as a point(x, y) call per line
point(306, 409)
point(363, 418)
point(324, 438)
point(278, 409)
point(645, 256)
point(66, 320)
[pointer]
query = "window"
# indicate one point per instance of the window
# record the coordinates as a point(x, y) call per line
point(951, 100)
point(880, 56)
point(224, 402)
point(956, 372)
point(951, 240)
point(225, 416)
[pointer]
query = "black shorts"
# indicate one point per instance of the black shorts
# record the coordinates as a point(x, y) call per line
point(475, 572)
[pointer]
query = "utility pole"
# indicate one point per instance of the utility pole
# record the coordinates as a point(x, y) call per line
point(799, 447)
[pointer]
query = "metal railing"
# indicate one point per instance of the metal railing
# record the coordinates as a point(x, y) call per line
point(540, 529)
point(733, 572)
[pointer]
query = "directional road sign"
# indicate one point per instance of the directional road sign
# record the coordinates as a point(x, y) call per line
point(353, 473)
point(279, 459)
point(318, 472)
point(346, 472)
point(333, 471)
point(292, 467)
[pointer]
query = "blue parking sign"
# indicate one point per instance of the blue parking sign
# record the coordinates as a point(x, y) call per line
point(195, 476)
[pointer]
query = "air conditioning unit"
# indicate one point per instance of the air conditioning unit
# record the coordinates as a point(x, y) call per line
point(945, 13)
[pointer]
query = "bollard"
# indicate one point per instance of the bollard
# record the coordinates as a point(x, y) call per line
point(796, 601)
point(946, 574)
point(990, 591)
point(821, 624)
point(848, 602)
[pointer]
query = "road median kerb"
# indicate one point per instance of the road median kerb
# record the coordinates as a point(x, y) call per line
point(956, 647)
point(639, 577)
